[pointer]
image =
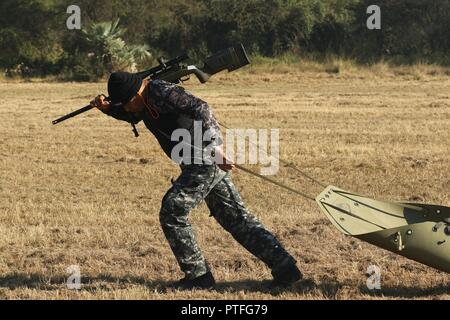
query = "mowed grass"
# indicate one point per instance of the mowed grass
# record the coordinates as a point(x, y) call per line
point(88, 193)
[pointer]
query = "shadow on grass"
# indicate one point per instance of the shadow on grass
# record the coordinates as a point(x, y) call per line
point(328, 288)
point(301, 287)
point(98, 283)
point(407, 292)
point(110, 283)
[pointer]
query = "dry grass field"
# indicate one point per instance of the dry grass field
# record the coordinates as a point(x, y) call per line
point(88, 193)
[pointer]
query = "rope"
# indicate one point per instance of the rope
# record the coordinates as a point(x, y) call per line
point(289, 164)
point(273, 181)
point(277, 183)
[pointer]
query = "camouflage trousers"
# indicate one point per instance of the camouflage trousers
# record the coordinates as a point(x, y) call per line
point(210, 183)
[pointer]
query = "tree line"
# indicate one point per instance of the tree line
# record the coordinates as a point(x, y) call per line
point(35, 40)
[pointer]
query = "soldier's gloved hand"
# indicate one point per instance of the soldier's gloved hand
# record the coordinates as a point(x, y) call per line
point(100, 103)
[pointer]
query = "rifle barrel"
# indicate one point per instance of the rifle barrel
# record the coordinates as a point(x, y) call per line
point(73, 114)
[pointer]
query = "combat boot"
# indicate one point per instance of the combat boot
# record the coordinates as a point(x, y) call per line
point(285, 277)
point(205, 281)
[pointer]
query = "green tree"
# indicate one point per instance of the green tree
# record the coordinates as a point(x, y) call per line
point(29, 37)
point(110, 51)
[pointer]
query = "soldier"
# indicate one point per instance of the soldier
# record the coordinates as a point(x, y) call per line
point(165, 107)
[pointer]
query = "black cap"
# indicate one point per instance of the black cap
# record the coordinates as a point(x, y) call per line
point(123, 86)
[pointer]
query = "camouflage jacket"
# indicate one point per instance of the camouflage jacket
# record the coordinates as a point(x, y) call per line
point(175, 108)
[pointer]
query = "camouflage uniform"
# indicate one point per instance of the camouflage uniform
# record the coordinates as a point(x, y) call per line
point(201, 182)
